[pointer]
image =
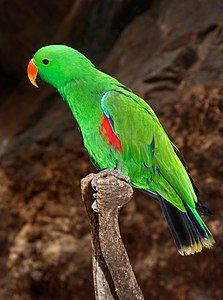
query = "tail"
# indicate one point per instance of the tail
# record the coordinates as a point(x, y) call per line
point(187, 228)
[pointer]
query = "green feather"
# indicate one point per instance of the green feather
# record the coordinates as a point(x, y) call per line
point(148, 156)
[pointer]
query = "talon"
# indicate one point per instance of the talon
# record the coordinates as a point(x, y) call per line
point(95, 195)
point(119, 208)
point(95, 207)
point(128, 180)
point(94, 187)
point(93, 184)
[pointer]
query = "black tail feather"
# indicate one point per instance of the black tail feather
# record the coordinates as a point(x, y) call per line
point(203, 210)
point(188, 234)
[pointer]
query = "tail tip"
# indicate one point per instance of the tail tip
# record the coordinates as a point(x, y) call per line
point(197, 247)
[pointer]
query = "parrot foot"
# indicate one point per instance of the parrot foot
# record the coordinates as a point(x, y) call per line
point(107, 186)
point(117, 172)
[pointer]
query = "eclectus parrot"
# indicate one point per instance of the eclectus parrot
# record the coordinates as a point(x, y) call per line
point(120, 130)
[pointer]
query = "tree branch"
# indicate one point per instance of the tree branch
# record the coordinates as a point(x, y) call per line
point(112, 272)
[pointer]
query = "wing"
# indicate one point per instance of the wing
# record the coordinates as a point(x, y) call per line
point(132, 124)
point(144, 140)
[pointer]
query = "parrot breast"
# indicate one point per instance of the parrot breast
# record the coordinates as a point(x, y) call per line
point(109, 135)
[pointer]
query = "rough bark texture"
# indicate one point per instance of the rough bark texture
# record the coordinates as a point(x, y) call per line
point(113, 274)
point(103, 283)
point(171, 54)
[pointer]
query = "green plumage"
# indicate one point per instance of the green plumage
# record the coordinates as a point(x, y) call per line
point(147, 155)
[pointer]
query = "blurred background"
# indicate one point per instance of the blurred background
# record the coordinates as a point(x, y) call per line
point(170, 52)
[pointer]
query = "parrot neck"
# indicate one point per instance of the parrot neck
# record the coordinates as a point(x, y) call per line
point(84, 98)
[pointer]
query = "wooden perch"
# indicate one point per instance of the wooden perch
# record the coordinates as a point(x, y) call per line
point(112, 272)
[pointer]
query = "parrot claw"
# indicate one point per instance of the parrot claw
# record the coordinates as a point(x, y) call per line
point(95, 207)
point(127, 180)
point(119, 208)
point(94, 187)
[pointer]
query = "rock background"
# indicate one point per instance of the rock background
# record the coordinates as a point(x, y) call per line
point(169, 52)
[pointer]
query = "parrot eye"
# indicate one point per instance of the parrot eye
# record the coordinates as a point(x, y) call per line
point(45, 61)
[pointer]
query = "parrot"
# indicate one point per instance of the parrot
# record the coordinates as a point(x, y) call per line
point(121, 131)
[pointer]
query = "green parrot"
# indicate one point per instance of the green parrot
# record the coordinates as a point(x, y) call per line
point(121, 131)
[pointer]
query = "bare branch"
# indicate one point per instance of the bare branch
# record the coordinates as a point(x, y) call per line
point(113, 274)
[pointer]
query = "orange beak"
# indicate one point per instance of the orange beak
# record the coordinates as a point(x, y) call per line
point(32, 72)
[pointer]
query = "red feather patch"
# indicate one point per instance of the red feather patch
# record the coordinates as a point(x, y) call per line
point(109, 135)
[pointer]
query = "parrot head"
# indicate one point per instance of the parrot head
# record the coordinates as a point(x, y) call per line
point(57, 65)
